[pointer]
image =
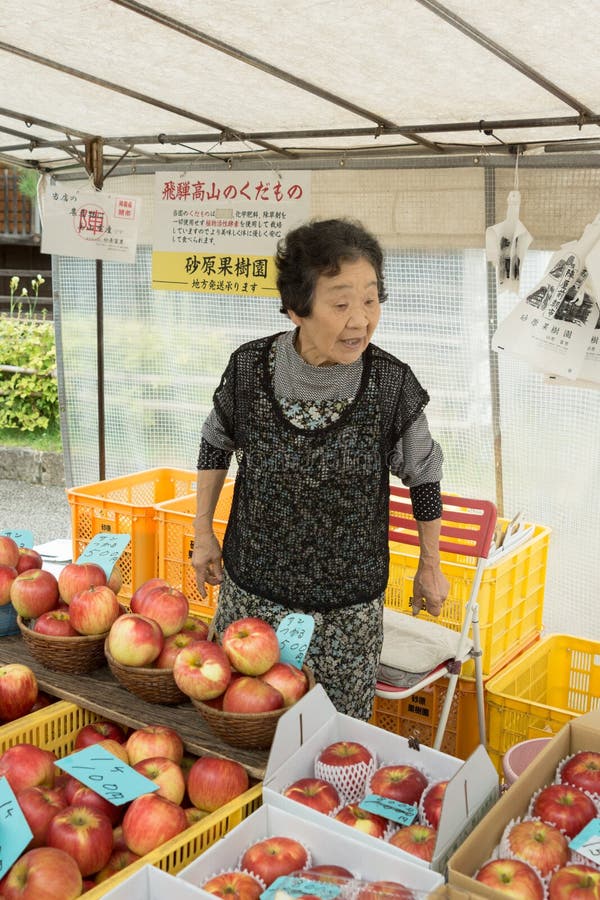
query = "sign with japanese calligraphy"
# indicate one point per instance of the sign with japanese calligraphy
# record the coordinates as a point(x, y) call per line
point(104, 549)
point(217, 232)
point(402, 813)
point(89, 224)
point(106, 774)
point(587, 842)
point(20, 536)
point(294, 634)
point(15, 833)
point(296, 886)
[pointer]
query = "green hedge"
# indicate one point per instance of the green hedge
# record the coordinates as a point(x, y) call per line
point(29, 398)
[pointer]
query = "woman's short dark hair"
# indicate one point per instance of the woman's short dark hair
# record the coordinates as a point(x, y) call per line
point(319, 248)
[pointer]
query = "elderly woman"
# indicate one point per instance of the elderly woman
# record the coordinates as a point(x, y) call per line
point(318, 416)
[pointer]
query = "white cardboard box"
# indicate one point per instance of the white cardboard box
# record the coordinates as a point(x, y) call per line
point(150, 883)
point(325, 846)
point(313, 722)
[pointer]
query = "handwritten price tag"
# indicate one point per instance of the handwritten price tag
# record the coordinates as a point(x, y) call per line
point(295, 886)
point(294, 634)
point(402, 813)
point(20, 536)
point(106, 774)
point(104, 549)
point(15, 833)
point(587, 841)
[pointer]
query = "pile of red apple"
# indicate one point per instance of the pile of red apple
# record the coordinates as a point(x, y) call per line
point(346, 771)
point(533, 859)
point(242, 674)
point(80, 839)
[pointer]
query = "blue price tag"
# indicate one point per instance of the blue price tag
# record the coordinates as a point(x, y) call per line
point(402, 813)
point(587, 841)
point(104, 549)
point(106, 774)
point(294, 634)
point(296, 886)
point(20, 536)
point(15, 833)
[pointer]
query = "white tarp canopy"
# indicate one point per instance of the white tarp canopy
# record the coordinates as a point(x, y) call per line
point(173, 80)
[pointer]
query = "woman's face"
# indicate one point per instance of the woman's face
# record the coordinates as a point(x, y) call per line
point(344, 315)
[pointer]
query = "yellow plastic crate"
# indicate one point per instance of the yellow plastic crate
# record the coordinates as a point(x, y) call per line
point(55, 728)
point(511, 596)
point(126, 505)
point(546, 686)
point(418, 716)
point(175, 532)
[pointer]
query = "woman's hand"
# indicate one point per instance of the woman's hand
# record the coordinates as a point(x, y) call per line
point(430, 589)
point(206, 560)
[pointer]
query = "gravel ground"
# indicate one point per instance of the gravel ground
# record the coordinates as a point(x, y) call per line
point(43, 509)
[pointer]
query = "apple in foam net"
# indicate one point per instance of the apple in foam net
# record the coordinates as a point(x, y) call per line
point(7, 576)
point(344, 753)
point(362, 820)
point(166, 605)
point(166, 774)
point(416, 839)
point(582, 770)
point(9, 551)
point(94, 732)
point(154, 740)
point(149, 821)
point(135, 640)
point(55, 623)
point(202, 670)
point(251, 645)
point(93, 610)
point(234, 886)
point(432, 800)
point(251, 695)
point(580, 882)
point(512, 877)
point(26, 765)
point(385, 890)
point(18, 691)
point(76, 577)
point(564, 806)
point(29, 559)
point(539, 844)
point(39, 805)
point(404, 783)
point(290, 681)
point(83, 834)
point(173, 644)
point(274, 856)
point(211, 782)
point(314, 792)
point(42, 872)
point(34, 592)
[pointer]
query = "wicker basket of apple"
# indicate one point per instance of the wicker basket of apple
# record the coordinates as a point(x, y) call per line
point(142, 644)
point(240, 687)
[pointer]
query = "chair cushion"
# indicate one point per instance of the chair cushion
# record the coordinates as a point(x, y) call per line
point(413, 645)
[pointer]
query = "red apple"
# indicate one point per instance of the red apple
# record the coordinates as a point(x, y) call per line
point(118, 839)
point(274, 856)
point(166, 605)
point(290, 681)
point(512, 877)
point(251, 695)
point(94, 732)
point(39, 805)
point(9, 551)
point(115, 748)
point(146, 587)
point(94, 610)
point(56, 623)
point(7, 576)
point(539, 844)
point(344, 753)
point(173, 644)
point(43, 700)
point(26, 765)
point(404, 783)
point(582, 770)
point(327, 873)
point(34, 592)
point(382, 890)
point(18, 691)
point(166, 774)
point(564, 806)
point(195, 627)
point(134, 640)
point(576, 882)
point(362, 820)
point(314, 792)
point(417, 839)
point(214, 782)
point(115, 579)
point(29, 559)
point(84, 835)
point(42, 872)
point(194, 815)
point(151, 820)
point(251, 645)
point(119, 860)
point(234, 886)
point(154, 740)
point(76, 577)
point(202, 670)
point(87, 797)
point(432, 799)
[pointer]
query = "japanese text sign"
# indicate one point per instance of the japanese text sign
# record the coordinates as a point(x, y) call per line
point(587, 842)
point(106, 774)
point(20, 536)
point(294, 633)
point(15, 833)
point(104, 549)
point(402, 813)
point(296, 886)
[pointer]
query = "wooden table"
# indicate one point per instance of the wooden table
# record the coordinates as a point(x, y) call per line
point(100, 693)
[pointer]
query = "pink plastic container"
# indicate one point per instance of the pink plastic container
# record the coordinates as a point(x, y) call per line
point(518, 757)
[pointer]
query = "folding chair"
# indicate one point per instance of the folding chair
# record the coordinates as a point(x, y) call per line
point(467, 530)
